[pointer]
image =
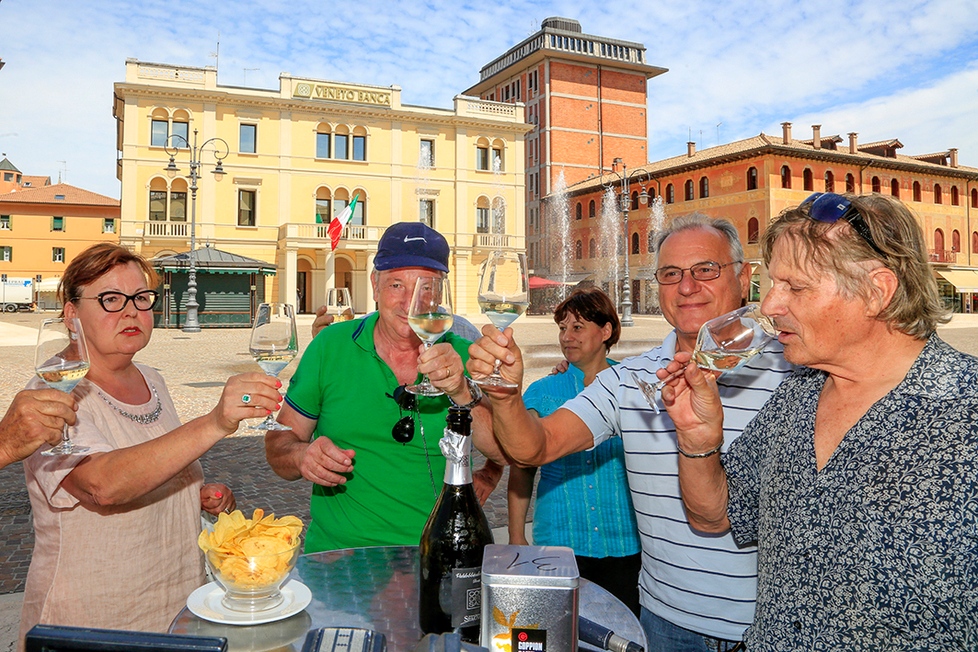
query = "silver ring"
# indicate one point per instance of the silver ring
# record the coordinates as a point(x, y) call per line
point(246, 398)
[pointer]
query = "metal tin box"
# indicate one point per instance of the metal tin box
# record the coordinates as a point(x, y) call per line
point(529, 599)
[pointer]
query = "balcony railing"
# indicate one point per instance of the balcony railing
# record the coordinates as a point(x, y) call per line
point(942, 256)
point(352, 232)
point(493, 240)
point(167, 229)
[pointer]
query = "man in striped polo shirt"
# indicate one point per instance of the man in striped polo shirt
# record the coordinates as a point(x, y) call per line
point(697, 592)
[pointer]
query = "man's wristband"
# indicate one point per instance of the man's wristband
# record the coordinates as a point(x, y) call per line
point(696, 456)
point(474, 390)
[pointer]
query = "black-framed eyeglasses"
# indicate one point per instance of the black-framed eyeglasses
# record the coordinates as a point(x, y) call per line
point(705, 271)
point(829, 207)
point(117, 301)
point(403, 430)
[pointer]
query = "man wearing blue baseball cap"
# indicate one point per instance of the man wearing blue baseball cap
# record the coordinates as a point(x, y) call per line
point(369, 447)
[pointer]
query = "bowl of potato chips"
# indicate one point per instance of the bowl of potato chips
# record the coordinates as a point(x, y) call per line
point(251, 558)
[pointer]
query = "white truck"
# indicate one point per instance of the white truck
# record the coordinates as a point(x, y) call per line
point(16, 294)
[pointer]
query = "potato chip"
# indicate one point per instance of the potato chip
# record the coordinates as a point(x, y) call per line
point(251, 553)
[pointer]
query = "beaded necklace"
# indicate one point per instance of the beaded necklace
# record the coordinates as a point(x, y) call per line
point(141, 419)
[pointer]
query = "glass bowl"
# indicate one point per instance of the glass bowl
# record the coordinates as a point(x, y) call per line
point(252, 582)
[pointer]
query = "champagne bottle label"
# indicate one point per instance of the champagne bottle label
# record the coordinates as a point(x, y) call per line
point(456, 448)
point(466, 596)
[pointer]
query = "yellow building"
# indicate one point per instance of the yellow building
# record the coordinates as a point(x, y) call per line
point(293, 157)
point(42, 228)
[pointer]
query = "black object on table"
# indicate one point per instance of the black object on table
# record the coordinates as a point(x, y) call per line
point(375, 588)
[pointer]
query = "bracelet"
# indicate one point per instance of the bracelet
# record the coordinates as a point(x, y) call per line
point(696, 456)
point(474, 390)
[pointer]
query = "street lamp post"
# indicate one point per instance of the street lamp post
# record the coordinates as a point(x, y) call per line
point(625, 200)
point(191, 325)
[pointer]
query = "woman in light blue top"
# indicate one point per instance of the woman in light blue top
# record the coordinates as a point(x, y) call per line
point(582, 499)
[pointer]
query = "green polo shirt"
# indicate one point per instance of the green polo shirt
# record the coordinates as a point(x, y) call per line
point(344, 385)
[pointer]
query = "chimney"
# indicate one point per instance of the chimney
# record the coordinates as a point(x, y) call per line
point(817, 136)
point(786, 135)
point(690, 148)
point(853, 146)
point(953, 153)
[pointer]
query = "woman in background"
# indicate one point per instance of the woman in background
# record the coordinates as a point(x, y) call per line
point(582, 499)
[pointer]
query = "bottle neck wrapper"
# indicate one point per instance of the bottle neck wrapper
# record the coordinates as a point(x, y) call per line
point(457, 450)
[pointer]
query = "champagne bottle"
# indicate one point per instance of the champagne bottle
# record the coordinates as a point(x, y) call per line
point(452, 542)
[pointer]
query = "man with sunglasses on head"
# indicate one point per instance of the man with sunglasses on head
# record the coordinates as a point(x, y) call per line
point(696, 592)
point(370, 448)
point(858, 479)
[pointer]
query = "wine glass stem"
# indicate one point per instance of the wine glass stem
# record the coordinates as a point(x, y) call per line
point(676, 374)
point(64, 436)
point(424, 377)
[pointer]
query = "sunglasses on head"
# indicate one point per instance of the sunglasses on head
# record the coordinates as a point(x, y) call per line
point(403, 430)
point(829, 207)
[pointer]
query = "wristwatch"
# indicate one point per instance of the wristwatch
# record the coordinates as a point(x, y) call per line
point(474, 390)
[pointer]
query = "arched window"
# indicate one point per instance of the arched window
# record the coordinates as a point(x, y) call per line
point(634, 200)
point(670, 194)
point(592, 248)
point(939, 244)
point(482, 218)
point(895, 188)
point(808, 179)
point(938, 194)
point(974, 241)
point(578, 250)
point(651, 191)
point(954, 195)
point(590, 208)
point(178, 201)
point(635, 243)
point(688, 186)
point(974, 198)
point(753, 231)
point(323, 141)
point(323, 204)
point(578, 210)
point(704, 187)
point(752, 178)
point(829, 181)
point(359, 152)
point(850, 183)
point(916, 191)
point(785, 176)
point(876, 185)
point(955, 240)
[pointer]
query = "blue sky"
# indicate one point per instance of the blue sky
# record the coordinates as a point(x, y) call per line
point(902, 69)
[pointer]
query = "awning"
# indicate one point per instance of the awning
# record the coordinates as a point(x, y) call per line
point(540, 282)
point(48, 284)
point(214, 261)
point(963, 280)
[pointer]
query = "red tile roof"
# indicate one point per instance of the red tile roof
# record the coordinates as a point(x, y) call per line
point(60, 193)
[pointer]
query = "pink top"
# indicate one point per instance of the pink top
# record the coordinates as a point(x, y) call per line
point(128, 567)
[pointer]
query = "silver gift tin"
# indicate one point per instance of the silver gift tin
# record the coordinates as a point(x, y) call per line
point(532, 587)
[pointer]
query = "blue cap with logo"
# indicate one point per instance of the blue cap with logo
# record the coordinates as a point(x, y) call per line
point(411, 244)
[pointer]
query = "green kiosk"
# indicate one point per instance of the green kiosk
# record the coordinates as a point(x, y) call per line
point(229, 288)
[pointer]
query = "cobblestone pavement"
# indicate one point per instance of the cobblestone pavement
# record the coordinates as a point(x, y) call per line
point(195, 367)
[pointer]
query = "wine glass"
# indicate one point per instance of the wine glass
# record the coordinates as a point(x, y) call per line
point(274, 344)
point(503, 297)
point(338, 304)
point(61, 360)
point(430, 316)
point(723, 344)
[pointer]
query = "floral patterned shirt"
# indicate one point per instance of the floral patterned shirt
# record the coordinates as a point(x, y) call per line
point(879, 549)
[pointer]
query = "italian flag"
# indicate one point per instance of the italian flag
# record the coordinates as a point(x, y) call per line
point(339, 223)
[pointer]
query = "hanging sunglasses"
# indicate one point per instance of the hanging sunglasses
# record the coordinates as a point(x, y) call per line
point(403, 430)
point(829, 207)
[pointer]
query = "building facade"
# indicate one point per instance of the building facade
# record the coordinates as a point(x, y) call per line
point(295, 156)
point(750, 182)
point(42, 227)
point(586, 99)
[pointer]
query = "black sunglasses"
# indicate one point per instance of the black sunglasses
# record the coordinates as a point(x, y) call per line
point(829, 207)
point(403, 430)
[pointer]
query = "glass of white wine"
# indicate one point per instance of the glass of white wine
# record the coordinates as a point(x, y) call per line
point(504, 294)
point(723, 344)
point(274, 344)
point(61, 360)
point(430, 317)
point(338, 304)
